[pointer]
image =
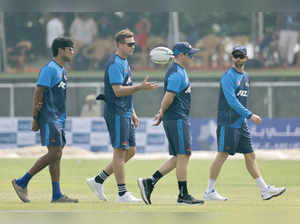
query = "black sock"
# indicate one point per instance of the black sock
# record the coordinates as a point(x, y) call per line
point(155, 177)
point(182, 188)
point(122, 189)
point(101, 177)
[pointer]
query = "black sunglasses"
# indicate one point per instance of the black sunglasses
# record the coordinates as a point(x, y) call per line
point(241, 56)
point(190, 55)
point(132, 44)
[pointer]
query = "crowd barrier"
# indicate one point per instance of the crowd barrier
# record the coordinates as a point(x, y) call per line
point(91, 134)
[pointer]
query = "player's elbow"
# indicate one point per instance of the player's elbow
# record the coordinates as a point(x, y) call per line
point(117, 94)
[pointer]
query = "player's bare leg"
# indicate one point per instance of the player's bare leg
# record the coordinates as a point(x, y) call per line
point(250, 160)
point(168, 166)
point(129, 154)
point(118, 163)
point(217, 164)
point(54, 166)
point(267, 192)
point(181, 167)
point(119, 171)
point(54, 153)
point(215, 169)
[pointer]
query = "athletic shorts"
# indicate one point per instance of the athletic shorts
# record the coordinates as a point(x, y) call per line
point(179, 136)
point(234, 140)
point(121, 131)
point(52, 135)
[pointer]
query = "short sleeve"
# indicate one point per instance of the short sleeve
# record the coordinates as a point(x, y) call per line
point(46, 77)
point(115, 75)
point(174, 83)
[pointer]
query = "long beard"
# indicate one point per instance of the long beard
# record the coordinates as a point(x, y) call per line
point(239, 65)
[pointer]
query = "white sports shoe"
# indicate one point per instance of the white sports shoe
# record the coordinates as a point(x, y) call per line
point(97, 188)
point(127, 198)
point(272, 192)
point(213, 196)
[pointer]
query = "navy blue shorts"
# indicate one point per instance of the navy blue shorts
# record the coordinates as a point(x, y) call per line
point(121, 131)
point(52, 134)
point(179, 136)
point(234, 140)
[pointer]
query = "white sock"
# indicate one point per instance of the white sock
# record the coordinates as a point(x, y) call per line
point(211, 185)
point(261, 183)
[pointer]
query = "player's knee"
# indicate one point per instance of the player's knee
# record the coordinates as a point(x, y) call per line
point(223, 156)
point(55, 155)
point(250, 156)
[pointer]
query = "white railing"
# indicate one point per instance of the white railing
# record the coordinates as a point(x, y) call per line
point(98, 86)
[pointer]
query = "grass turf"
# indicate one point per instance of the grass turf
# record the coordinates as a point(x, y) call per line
point(244, 205)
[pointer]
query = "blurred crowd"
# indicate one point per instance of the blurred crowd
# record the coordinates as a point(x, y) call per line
point(29, 37)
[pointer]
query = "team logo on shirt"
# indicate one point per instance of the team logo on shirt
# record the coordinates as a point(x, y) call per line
point(242, 93)
point(128, 80)
point(188, 90)
point(62, 85)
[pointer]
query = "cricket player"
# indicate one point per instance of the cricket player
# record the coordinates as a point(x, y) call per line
point(120, 117)
point(232, 132)
point(174, 112)
point(49, 115)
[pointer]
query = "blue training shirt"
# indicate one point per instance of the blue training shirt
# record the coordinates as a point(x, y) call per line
point(54, 78)
point(233, 99)
point(117, 72)
point(177, 81)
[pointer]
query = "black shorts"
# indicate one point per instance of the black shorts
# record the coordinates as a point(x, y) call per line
point(121, 131)
point(179, 136)
point(234, 140)
point(52, 134)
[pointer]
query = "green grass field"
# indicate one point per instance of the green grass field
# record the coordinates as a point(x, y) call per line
point(245, 205)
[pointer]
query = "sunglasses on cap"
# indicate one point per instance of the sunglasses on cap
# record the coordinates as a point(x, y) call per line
point(239, 55)
point(131, 44)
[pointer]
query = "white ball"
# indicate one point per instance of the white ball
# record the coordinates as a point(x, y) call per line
point(161, 55)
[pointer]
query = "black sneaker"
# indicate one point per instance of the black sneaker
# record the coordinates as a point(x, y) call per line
point(188, 200)
point(146, 189)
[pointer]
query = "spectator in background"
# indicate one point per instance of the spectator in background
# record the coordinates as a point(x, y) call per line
point(83, 30)
point(288, 36)
point(143, 28)
point(90, 107)
point(17, 55)
point(54, 28)
point(105, 27)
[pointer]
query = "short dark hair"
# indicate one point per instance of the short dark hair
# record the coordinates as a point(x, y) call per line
point(60, 42)
point(122, 35)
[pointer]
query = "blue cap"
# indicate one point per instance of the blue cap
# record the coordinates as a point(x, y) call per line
point(240, 48)
point(184, 48)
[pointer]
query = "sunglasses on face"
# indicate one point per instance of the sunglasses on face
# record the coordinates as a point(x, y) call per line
point(190, 55)
point(241, 56)
point(70, 49)
point(132, 44)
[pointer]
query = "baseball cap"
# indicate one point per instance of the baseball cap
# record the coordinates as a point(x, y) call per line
point(184, 48)
point(240, 48)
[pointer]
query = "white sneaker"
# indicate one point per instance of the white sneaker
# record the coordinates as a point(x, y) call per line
point(272, 192)
point(97, 188)
point(127, 198)
point(213, 196)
